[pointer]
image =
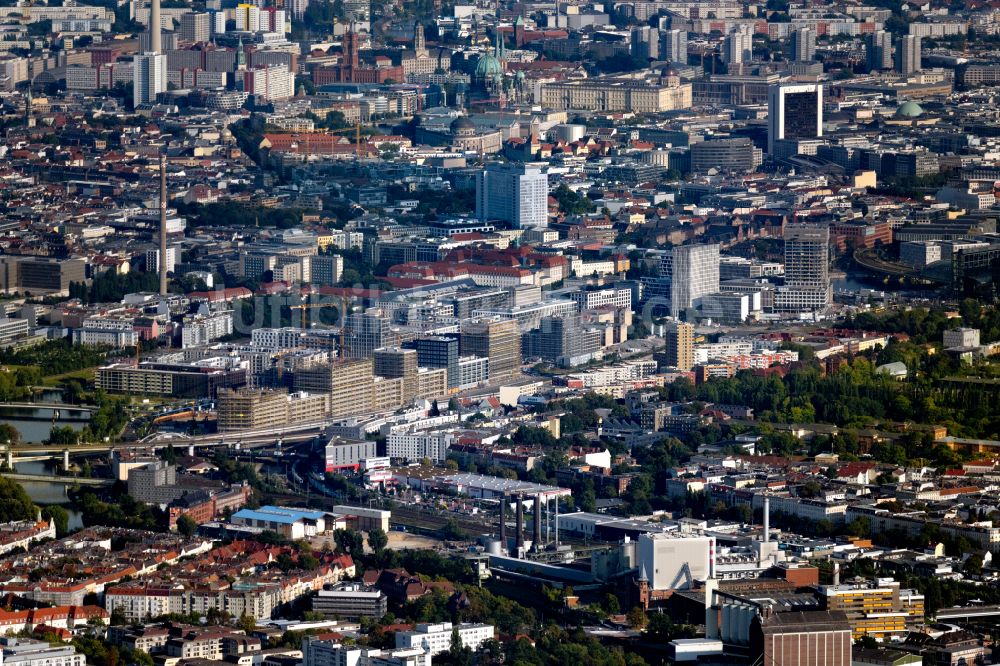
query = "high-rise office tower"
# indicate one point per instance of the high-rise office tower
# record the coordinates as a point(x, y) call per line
point(439, 351)
point(646, 43)
point(794, 111)
point(149, 74)
point(499, 340)
point(694, 274)
point(807, 268)
point(674, 45)
point(513, 193)
point(738, 46)
point(679, 350)
point(803, 45)
point(878, 51)
point(364, 332)
point(562, 340)
point(196, 27)
point(908, 54)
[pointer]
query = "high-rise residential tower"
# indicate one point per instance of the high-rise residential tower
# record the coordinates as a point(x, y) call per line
point(807, 269)
point(149, 75)
point(878, 51)
point(674, 45)
point(738, 46)
point(513, 193)
point(803, 45)
point(908, 54)
point(679, 350)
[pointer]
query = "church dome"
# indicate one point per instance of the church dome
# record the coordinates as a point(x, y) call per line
point(488, 67)
point(462, 126)
point(909, 110)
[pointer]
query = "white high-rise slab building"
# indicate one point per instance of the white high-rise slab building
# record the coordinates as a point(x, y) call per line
point(514, 193)
point(803, 45)
point(738, 46)
point(908, 54)
point(878, 51)
point(149, 76)
point(794, 111)
point(674, 46)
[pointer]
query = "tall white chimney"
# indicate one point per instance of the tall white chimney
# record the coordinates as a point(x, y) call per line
point(767, 519)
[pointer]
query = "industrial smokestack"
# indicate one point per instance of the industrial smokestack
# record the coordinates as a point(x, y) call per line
point(503, 523)
point(557, 517)
point(155, 26)
point(163, 200)
point(836, 573)
point(537, 541)
point(519, 526)
point(767, 519)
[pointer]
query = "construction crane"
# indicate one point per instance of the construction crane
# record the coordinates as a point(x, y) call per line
point(357, 135)
point(302, 307)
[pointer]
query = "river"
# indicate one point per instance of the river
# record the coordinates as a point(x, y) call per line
point(47, 493)
point(35, 423)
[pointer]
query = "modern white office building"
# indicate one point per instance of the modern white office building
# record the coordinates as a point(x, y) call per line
point(694, 274)
point(513, 193)
point(29, 652)
point(417, 445)
point(437, 637)
point(794, 112)
point(807, 269)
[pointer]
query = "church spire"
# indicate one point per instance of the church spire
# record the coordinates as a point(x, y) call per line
point(241, 56)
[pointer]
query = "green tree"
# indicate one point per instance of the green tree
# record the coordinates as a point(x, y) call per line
point(636, 618)
point(186, 525)
point(63, 435)
point(571, 202)
point(377, 540)
point(59, 516)
point(9, 435)
point(247, 623)
point(349, 541)
point(14, 502)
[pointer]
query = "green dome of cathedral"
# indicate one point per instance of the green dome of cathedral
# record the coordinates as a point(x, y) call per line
point(488, 67)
